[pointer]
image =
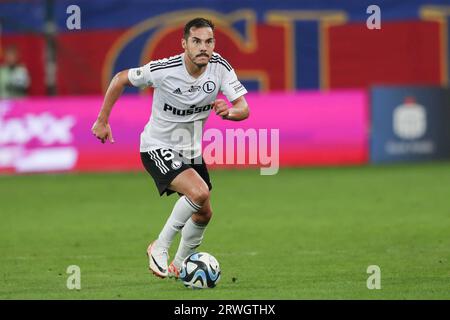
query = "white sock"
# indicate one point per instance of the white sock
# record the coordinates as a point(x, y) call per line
point(191, 238)
point(182, 211)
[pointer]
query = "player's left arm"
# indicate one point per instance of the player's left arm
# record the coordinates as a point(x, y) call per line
point(238, 111)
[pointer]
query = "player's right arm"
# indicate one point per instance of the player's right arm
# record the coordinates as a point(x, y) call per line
point(101, 128)
point(137, 77)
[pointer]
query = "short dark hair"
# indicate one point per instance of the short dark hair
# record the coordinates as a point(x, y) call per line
point(197, 23)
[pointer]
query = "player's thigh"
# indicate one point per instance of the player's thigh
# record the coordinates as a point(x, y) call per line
point(202, 170)
point(191, 184)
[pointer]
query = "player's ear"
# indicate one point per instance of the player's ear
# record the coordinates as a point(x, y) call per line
point(183, 43)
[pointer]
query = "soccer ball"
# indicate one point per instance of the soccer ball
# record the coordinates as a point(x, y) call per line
point(200, 270)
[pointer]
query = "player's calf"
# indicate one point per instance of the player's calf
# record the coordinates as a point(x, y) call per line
point(203, 216)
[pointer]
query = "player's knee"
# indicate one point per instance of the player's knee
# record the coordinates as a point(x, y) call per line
point(199, 195)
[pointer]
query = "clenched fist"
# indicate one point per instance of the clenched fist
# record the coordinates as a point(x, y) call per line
point(221, 108)
point(102, 131)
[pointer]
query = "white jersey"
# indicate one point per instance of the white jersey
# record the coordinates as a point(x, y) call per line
point(180, 100)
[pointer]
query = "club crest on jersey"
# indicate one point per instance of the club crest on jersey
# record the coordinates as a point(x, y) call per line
point(209, 86)
point(186, 112)
point(176, 164)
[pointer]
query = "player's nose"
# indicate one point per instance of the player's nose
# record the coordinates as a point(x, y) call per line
point(203, 53)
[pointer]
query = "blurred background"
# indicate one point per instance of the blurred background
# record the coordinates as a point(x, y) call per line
point(351, 100)
point(345, 82)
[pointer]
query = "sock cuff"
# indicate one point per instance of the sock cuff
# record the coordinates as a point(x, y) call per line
point(191, 203)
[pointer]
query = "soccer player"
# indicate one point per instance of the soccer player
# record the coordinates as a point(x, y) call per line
point(186, 88)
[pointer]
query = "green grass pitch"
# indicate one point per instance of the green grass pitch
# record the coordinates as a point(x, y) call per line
point(307, 233)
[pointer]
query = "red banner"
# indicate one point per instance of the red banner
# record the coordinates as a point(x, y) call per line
point(398, 53)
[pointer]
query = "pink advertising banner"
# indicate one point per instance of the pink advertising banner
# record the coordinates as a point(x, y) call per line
point(296, 129)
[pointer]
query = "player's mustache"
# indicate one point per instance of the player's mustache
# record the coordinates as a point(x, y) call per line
point(203, 54)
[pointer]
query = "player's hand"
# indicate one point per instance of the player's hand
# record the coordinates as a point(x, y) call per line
point(102, 131)
point(221, 108)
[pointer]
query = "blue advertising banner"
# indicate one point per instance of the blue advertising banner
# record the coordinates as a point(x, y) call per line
point(410, 124)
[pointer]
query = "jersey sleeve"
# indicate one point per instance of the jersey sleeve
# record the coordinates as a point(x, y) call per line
point(141, 76)
point(231, 87)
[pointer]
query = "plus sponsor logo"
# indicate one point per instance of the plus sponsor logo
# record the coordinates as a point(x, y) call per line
point(186, 112)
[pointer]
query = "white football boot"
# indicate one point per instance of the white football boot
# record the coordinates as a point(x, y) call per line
point(158, 260)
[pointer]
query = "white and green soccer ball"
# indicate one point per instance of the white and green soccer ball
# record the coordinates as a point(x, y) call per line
point(200, 270)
